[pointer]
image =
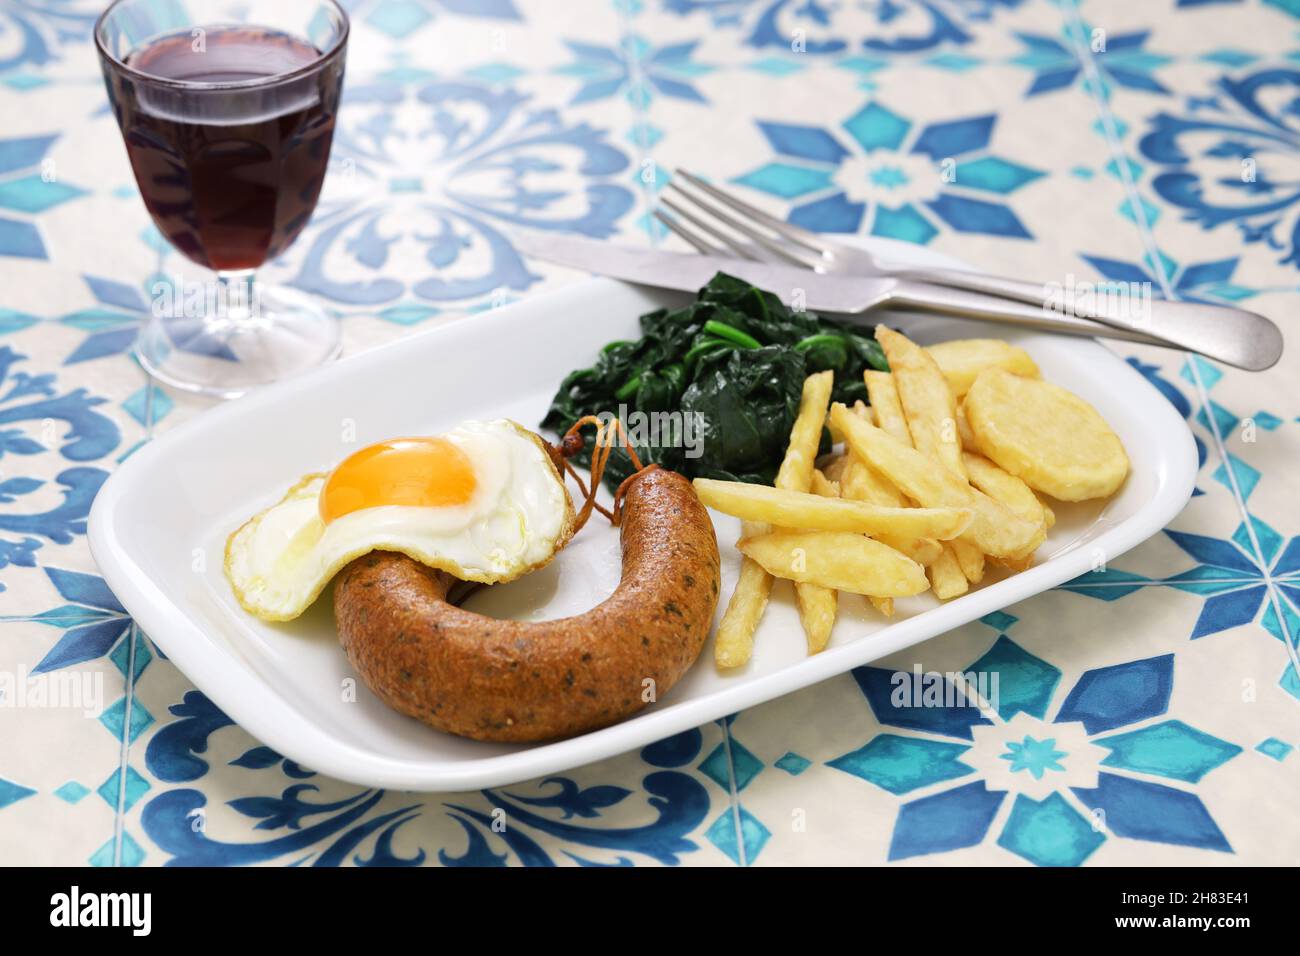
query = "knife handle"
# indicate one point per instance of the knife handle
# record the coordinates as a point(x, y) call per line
point(1234, 336)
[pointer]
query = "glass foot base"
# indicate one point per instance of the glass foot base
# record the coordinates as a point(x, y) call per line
point(231, 351)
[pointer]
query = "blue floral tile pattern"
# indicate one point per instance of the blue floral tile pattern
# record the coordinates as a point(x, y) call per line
point(1138, 711)
point(1062, 822)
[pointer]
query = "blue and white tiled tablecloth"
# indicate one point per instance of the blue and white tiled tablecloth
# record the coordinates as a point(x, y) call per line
point(1153, 142)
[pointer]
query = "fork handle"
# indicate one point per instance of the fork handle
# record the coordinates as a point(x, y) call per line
point(911, 295)
point(1235, 336)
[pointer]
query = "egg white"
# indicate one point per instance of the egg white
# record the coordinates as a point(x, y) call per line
point(517, 518)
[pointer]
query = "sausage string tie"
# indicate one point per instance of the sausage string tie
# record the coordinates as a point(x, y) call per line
point(608, 436)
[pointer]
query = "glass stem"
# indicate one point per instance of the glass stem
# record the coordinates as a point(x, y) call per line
point(237, 297)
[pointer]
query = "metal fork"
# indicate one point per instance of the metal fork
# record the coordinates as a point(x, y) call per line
point(716, 222)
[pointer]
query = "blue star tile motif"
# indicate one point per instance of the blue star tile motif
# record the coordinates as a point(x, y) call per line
point(1068, 825)
point(881, 171)
point(93, 621)
point(1034, 756)
point(1235, 584)
point(668, 71)
point(1056, 62)
point(1210, 282)
point(29, 185)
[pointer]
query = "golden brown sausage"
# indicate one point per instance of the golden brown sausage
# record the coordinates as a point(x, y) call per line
point(527, 681)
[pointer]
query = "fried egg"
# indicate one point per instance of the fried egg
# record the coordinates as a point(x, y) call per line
point(482, 502)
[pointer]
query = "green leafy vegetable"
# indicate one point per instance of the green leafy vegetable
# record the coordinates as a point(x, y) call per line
point(733, 363)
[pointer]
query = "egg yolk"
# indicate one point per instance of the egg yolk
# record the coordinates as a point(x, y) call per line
point(417, 472)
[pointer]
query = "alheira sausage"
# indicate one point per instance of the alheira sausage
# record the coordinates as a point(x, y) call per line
point(516, 681)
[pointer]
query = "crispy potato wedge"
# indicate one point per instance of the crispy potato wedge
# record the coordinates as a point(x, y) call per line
point(962, 360)
point(838, 560)
point(946, 577)
point(800, 509)
point(885, 405)
point(994, 529)
point(928, 403)
point(1049, 437)
point(734, 643)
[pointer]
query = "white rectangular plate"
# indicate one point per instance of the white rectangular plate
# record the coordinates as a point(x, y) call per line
point(159, 526)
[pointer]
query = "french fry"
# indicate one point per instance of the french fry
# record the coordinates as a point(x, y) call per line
point(800, 509)
point(834, 470)
point(962, 360)
point(921, 550)
point(994, 529)
point(734, 643)
point(946, 577)
point(817, 606)
point(928, 403)
point(821, 485)
point(970, 559)
point(1005, 487)
point(861, 482)
point(885, 404)
point(838, 560)
point(830, 489)
point(796, 469)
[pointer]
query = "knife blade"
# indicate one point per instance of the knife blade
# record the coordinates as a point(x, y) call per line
point(691, 272)
point(849, 295)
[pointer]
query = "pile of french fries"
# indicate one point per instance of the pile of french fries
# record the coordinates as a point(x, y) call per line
point(943, 472)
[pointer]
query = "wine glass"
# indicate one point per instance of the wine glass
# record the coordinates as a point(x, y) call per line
point(227, 115)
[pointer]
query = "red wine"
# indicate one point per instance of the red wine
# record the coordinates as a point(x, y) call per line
point(230, 174)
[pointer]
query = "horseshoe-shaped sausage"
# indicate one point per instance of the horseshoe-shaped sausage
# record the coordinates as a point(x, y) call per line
point(517, 681)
